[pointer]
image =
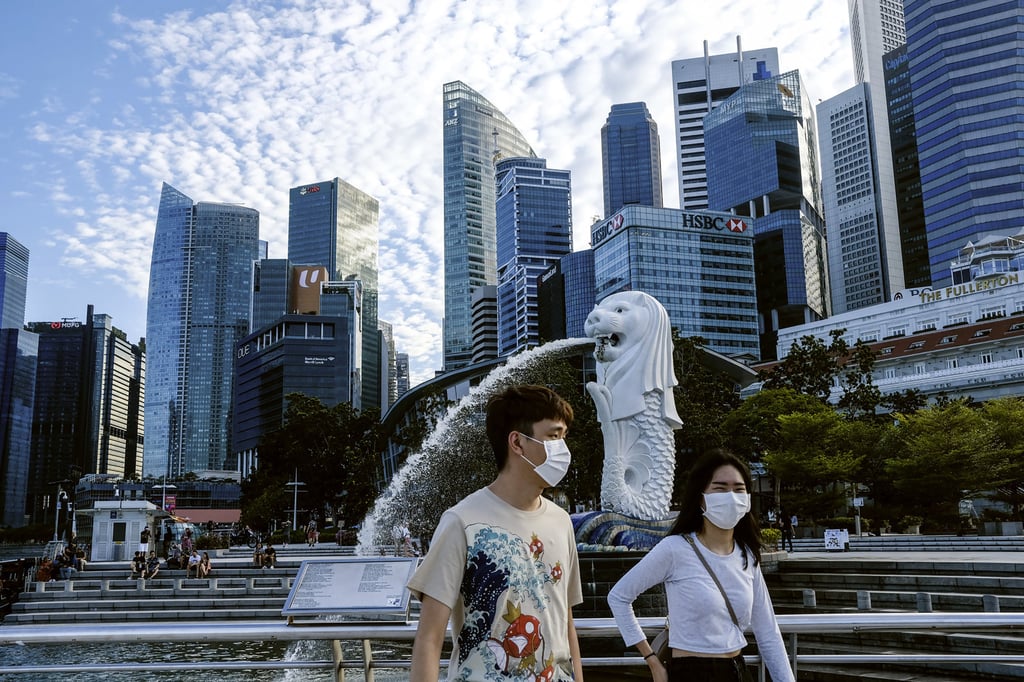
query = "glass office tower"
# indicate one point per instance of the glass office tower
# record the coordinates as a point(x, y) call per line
point(698, 264)
point(534, 228)
point(700, 84)
point(630, 158)
point(96, 427)
point(199, 286)
point(966, 61)
point(474, 133)
point(18, 356)
point(762, 163)
point(13, 282)
point(906, 170)
point(334, 224)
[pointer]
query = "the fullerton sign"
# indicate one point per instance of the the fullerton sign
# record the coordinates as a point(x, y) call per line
point(978, 285)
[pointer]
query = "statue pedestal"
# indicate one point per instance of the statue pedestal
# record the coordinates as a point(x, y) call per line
point(605, 531)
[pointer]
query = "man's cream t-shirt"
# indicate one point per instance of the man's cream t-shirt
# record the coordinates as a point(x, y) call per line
point(510, 578)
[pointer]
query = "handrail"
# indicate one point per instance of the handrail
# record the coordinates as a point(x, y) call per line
point(792, 625)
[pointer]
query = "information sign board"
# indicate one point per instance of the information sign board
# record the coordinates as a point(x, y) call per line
point(355, 586)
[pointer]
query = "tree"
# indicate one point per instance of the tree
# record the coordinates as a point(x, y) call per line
point(1006, 416)
point(811, 366)
point(332, 450)
point(811, 461)
point(860, 395)
point(753, 428)
point(941, 452)
point(704, 397)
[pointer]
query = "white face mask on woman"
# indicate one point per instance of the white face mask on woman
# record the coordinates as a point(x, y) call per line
point(556, 465)
point(726, 509)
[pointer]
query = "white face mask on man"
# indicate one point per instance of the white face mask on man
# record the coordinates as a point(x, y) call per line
point(556, 465)
point(726, 509)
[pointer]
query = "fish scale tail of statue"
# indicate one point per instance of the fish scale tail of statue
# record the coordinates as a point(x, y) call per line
point(635, 404)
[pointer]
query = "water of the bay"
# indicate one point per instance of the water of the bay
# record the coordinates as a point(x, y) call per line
point(64, 653)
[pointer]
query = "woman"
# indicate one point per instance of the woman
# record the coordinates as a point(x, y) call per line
point(705, 639)
point(204, 565)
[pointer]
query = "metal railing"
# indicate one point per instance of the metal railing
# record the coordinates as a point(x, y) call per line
point(792, 627)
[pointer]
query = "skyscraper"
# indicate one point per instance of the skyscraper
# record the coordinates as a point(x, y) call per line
point(876, 28)
point(402, 372)
point(698, 264)
point(762, 163)
point(534, 227)
point(199, 290)
point(89, 392)
point(630, 158)
point(474, 133)
point(13, 282)
point(852, 201)
point(906, 170)
point(698, 85)
point(565, 296)
point(18, 350)
point(18, 355)
point(965, 66)
point(334, 224)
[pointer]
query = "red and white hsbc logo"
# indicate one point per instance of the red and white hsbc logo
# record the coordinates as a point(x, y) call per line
point(312, 189)
point(736, 225)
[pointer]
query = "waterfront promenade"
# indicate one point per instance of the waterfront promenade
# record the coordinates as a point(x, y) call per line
point(957, 581)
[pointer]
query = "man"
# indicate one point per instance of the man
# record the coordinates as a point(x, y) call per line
point(144, 541)
point(506, 555)
point(270, 557)
point(152, 565)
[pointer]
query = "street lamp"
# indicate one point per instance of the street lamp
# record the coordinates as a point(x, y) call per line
point(295, 499)
point(164, 485)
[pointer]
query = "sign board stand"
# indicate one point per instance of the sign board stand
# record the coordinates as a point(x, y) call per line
point(366, 589)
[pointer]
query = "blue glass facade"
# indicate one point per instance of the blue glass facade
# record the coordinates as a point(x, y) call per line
point(334, 224)
point(13, 282)
point(631, 158)
point(762, 163)
point(565, 296)
point(89, 390)
point(270, 279)
point(474, 131)
point(906, 169)
point(306, 354)
point(698, 264)
point(967, 78)
point(199, 284)
point(534, 228)
point(18, 355)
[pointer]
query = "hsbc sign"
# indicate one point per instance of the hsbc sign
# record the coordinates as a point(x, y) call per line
point(687, 219)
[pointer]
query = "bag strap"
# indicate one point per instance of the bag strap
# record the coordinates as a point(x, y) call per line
point(714, 577)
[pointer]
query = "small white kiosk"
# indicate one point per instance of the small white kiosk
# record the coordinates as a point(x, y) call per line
point(113, 527)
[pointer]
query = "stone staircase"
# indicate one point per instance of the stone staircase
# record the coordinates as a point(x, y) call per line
point(918, 543)
point(976, 583)
point(105, 591)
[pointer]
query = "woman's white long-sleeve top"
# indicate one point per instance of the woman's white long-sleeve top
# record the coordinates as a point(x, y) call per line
point(698, 618)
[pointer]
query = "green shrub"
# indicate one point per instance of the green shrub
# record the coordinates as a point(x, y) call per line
point(770, 538)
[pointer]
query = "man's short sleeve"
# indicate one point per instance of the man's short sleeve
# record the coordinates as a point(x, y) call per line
point(440, 573)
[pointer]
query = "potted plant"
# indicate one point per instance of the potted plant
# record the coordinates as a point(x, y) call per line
point(911, 524)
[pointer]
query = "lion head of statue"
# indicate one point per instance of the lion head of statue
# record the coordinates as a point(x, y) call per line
point(633, 348)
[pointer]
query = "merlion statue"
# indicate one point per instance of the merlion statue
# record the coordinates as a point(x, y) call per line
point(634, 401)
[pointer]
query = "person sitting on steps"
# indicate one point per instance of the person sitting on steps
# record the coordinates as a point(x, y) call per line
point(270, 557)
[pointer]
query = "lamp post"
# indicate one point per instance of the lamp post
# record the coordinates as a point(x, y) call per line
point(295, 499)
point(164, 485)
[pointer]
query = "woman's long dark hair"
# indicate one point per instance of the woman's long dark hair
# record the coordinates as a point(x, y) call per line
point(691, 517)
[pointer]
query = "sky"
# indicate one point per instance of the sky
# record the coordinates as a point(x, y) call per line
point(238, 101)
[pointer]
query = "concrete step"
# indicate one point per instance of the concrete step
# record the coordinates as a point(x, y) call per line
point(142, 616)
point(967, 583)
point(909, 543)
point(156, 602)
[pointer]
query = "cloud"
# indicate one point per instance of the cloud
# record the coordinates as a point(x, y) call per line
point(241, 104)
